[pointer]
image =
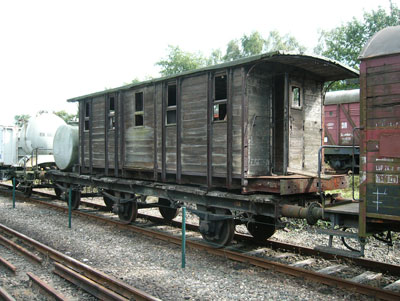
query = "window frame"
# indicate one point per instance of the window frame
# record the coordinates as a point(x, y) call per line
point(111, 116)
point(171, 108)
point(86, 119)
point(139, 113)
point(301, 98)
point(217, 103)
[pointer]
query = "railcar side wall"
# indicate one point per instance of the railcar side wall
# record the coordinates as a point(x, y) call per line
point(380, 145)
point(224, 125)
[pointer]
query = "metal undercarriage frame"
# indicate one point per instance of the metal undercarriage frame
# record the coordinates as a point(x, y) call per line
point(256, 204)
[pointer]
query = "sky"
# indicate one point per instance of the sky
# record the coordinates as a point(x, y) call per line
point(54, 50)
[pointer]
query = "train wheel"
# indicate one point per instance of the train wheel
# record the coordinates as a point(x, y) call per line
point(27, 191)
point(128, 212)
point(57, 191)
point(107, 201)
point(263, 227)
point(218, 233)
point(166, 211)
point(75, 197)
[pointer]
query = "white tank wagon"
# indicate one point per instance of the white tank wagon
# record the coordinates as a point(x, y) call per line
point(66, 147)
point(30, 150)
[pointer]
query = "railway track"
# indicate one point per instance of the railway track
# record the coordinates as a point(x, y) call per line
point(93, 281)
point(329, 273)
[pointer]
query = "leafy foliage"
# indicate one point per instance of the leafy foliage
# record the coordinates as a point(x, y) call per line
point(20, 120)
point(179, 61)
point(67, 117)
point(345, 42)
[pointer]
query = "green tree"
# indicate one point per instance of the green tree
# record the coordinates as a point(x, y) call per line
point(345, 42)
point(178, 61)
point(66, 116)
point(233, 51)
point(252, 44)
point(20, 120)
point(287, 42)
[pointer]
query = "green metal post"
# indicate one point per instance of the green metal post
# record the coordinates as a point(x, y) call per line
point(183, 237)
point(69, 207)
point(13, 193)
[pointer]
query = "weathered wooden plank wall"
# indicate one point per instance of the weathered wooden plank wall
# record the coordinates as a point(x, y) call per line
point(194, 125)
point(259, 91)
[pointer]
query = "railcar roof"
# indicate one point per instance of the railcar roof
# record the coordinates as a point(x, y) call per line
point(384, 42)
point(326, 69)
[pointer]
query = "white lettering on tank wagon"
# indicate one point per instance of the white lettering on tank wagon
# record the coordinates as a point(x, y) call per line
point(386, 179)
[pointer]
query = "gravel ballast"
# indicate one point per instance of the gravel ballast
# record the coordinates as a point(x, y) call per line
point(155, 266)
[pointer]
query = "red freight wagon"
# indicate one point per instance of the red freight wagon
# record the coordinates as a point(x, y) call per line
point(380, 118)
point(342, 115)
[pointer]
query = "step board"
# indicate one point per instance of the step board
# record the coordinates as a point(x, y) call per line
point(336, 251)
point(337, 233)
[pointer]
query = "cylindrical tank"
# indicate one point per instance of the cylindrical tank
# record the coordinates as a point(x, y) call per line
point(39, 132)
point(66, 147)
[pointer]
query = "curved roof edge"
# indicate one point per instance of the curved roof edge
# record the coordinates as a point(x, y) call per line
point(384, 42)
point(341, 71)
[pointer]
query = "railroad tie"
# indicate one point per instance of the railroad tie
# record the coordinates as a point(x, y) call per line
point(367, 277)
point(333, 269)
point(394, 287)
point(303, 263)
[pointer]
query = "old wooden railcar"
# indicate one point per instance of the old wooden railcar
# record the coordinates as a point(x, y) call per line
point(210, 137)
point(222, 126)
point(378, 208)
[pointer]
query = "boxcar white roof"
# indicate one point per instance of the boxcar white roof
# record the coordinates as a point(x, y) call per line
point(384, 42)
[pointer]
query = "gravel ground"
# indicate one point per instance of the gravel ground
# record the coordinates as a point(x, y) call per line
point(154, 266)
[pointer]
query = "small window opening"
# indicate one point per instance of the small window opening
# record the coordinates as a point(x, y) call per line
point(139, 109)
point(220, 98)
point(87, 109)
point(111, 113)
point(221, 88)
point(220, 111)
point(296, 99)
point(86, 123)
point(171, 105)
point(112, 105)
point(330, 113)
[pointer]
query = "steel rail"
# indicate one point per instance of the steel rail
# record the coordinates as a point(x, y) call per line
point(50, 291)
point(12, 245)
point(92, 273)
point(260, 262)
point(87, 284)
point(8, 265)
point(4, 295)
point(256, 261)
point(276, 245)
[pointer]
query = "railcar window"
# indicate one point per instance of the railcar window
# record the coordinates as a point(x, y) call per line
point(139, 109)
point(171, 105)
point(220, 97)
point(111, 113)
point(296, 97)
point(86, 125)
